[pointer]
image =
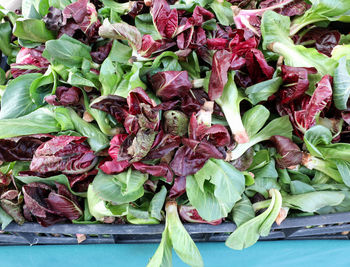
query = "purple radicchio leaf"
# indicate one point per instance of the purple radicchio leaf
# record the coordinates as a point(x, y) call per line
point(101, 53)
point(178, 188)
point(250, 19)
point(218, 78)
point(285, 7)
point(289, 153)
point(296, 83)
point(163, 145)
point(53, 19)
point(29, 57)
point(311, 107)
point(66, 154)
point(159, 170)
point(190, 214)
point(164, 18)
point(80, 182)
point(80, 21)
point(64, 96)
point(49, 206)
point(137, 8)
point(113, 105)
point(21, 148)
point(64, 206)
point(324, 40)
point(201, 15)
point(170, 84)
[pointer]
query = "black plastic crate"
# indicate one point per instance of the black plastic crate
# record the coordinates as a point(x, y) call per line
point(332, 226)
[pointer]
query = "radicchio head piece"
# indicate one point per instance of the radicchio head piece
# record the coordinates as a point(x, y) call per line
point(66, 154)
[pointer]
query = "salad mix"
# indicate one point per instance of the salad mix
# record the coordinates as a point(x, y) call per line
point(163, 111)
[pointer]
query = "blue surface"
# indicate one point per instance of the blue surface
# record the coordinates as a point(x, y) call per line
point(275, 253)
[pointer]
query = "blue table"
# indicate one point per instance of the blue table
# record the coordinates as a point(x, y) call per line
point(272, 253)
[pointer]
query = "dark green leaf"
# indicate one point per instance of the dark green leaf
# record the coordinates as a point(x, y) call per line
point(67, 51)
point(121, 188)
point(16, 101)
point(249, 232)
point(157, 203)
point(243, 211)
point(32, 30)
point(38, 122)
point(341, 84)
point(215, 189)
point(5, 38)
point(263, 90)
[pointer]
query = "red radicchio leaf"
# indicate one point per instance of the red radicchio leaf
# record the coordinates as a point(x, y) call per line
point(295, 81)
point(218, 77)
point(101, 53)
point(63, 153)
point(53, 19)
point(201, 15)
point(165, 19)
point(113, 105)
point(184, 39)
point(21, 148)
point(217, 43)
point(190, 214)
point(80, 16)
point(34, 197)
point(115, 144)
point(217, 134)
point(250, 19)
point(203, 147)
point(137, 8)
point(257, 66)
point(64, 96)
point(135, 98)
point(114, 166)
point(29, 57)
point(288, 7)
point(321, 97)
point(64, 206)
point(186, 161)
point(5, 179)
point(170, 84)
point(80, 183)
point(198, 39)
point(322, 39)
point(164, 146)
point(149, 46)
point(47, 206)
point(290, 153)
point(178, 188)
point(159, 170)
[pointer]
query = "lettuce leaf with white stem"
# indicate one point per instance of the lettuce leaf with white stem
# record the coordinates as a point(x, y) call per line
point(229, 103)
point(175, 236)
point(275, 31)
point(217, 185)
point(342, 84)
point(253, 120)
point(322, 10)
point(307, 202)
point(249, 232)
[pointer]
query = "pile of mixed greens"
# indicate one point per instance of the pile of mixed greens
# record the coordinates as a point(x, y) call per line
point(154, 111)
